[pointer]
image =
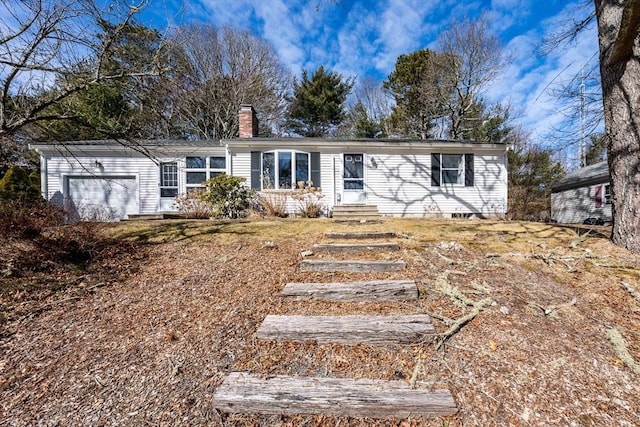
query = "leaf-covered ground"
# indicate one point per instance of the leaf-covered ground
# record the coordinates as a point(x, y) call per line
point(143, 329)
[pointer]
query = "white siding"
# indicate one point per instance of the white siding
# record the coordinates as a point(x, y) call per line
point(143, 168)
point(400, 184)
point(146, 171)
point(577, 204)
point(241, 165)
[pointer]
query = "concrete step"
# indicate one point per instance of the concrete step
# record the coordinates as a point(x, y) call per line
point(246, 393)
point(355, 213)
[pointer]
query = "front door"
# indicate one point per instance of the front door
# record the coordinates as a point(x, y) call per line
point(353, 179)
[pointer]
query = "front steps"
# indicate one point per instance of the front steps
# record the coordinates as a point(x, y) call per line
point(354, 248)
point(376, 290)
point(351, 330)
point(247, 393)
point(352, 266)
point(355, 213)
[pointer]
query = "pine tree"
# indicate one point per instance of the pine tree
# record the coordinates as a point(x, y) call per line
point(316, 108)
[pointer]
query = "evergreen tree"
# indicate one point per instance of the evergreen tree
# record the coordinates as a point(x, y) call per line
point(316, 108)
point(531, 174)
point(420, 86)
point(596, 151)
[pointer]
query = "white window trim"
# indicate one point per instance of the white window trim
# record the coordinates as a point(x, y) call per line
point(208, 170)
point(461, 170)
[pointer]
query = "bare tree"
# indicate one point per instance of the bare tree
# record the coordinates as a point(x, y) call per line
point(50, 50)
point(214, 72)
point(618, 28)
point(474, 58)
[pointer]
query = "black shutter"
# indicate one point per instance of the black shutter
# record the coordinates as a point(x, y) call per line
point(468, 170)
point(315, 169)
point(256, 182)
point(435, 169)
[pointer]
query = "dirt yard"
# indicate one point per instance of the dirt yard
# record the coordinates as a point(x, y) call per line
point(144, 331)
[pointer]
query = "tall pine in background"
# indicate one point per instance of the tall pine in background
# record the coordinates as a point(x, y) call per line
point(316, 108)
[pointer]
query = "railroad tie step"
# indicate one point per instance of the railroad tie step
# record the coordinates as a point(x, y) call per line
point(351, 329)
point(375, 290)
point(354, 248)
point(360, 235)
point(352, 266)
point(283, 395)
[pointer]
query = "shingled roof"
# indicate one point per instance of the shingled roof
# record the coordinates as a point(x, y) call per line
point(592, 174)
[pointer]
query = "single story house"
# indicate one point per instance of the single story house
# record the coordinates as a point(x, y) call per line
point(400, 177)
point(584, 193)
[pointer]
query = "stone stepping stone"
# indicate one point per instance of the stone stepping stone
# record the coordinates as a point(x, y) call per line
point(375, 290)
point(361, 235)
point(352, 266)
point(352, 329)
point(351, 248)
point(245, 393)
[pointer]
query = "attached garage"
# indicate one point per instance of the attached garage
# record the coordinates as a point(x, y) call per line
point(102, 198)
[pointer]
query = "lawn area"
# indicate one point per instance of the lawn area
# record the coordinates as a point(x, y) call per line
point(141, 322)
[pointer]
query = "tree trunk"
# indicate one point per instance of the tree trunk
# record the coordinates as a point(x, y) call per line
point(618, 24)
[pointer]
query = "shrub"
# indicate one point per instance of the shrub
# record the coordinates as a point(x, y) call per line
point(27, 219)
point(228, 195)
point(273, 203)
point(17, 185)
point(309, 202)
point(194, 205)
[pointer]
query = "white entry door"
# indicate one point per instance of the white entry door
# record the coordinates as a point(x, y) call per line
point(102, 198)
point(353, 179)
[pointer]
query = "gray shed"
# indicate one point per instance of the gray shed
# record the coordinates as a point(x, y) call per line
point(584, 193)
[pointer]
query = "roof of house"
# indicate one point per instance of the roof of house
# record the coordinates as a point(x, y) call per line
point(345, 144)
point(592, 174)
point(174, 145)
point(144, 147)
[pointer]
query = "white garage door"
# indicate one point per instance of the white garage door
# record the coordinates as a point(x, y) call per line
point(102, 198)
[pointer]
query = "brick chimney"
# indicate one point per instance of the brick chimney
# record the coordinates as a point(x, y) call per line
point(247, 122)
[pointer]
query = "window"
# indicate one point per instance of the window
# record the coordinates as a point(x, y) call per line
point(199, 169)
point(607, 194)
point(284, 170)
point(452, 169)
point(169, 179)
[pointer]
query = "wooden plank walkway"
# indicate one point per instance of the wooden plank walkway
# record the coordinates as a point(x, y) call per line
point(361, 235)
point(375, 290)
point(352, 266)
point(246, 393)
point(353, 248)
point(352, 329)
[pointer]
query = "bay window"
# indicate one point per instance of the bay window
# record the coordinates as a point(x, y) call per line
point(284, 170)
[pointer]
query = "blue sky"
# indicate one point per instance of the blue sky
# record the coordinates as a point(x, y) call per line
point(364, 38)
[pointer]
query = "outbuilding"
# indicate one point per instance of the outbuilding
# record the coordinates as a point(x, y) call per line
point(583, 195)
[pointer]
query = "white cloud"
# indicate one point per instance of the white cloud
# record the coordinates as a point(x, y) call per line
point(528, 77)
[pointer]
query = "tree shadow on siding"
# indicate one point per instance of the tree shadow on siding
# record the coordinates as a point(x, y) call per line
point(427, 194)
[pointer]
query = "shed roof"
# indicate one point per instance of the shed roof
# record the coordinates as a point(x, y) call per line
point(592, 174)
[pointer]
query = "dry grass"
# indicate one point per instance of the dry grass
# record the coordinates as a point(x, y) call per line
point(151, 346)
